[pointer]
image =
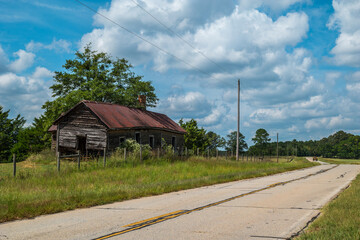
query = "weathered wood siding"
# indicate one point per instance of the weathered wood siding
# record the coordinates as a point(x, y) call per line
point(81, 122)
point(114, 137)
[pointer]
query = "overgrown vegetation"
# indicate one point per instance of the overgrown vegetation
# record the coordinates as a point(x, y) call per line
point(339, 219)
point(39, 189)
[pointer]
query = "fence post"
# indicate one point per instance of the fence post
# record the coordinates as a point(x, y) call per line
point(197, 151)
point(217, 154)
point(14, 162)
point(125, 154)
point(78, 159)
point(158, 153)
point(208, 154)
point(104, 156)
point(58, 161)
point(186, 153)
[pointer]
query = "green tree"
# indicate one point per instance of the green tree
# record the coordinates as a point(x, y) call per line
point(9, 131)
point(261, 141)
point(231, 142)
point(214, 140)
point(195, 137)
point(94, 76)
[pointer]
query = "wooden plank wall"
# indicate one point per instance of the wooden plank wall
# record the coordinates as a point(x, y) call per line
point(82, 122)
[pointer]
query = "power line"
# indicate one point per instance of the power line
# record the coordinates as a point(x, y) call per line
point(178, 35)
point(145, 40)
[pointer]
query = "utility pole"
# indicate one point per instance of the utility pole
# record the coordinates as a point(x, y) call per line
point(238, 123)
point(277, 147)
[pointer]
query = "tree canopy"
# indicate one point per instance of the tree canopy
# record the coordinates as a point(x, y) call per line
point(9, 131)
point(195, 137)
point(231, 142)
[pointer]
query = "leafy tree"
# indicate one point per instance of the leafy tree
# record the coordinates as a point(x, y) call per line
point(93, 76)
point(214, 141)
point(261, 137)
point(195, 137)
point(9, 131)
point(29, 140)
point(261, 140)
point(231, 142)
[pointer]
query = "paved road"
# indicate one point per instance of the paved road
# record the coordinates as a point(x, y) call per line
point(272, 207)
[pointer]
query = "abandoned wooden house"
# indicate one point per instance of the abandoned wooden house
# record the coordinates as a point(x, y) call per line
point(94, 126)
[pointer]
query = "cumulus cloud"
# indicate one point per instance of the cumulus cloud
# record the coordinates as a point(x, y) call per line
point(57, 45)
point(24, 61)
point(26, 94)
point(346, 19)
point(236, 37)
point(189, 105)
point(335, 122)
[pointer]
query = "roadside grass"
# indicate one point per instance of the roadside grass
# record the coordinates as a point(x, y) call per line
point(39, 189)
point(340, 161)
point(340, 219)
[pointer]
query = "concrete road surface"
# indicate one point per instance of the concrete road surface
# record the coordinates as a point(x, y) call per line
point(272, 207)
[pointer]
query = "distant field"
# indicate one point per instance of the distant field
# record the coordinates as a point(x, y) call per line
point(39, 189)
point(340, 218)
point(340, 161)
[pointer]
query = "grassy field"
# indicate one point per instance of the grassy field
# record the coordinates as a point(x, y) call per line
point(39, 189)
point(340, 161)
point(340, 219)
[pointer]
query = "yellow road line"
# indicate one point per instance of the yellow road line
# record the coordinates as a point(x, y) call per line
point(149, 219)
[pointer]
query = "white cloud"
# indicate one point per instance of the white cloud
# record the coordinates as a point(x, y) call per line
point(262, 116)
point(335, 122)
point(190, 105)
point(24, 61)
point(346, 19)
point(57, 45)
point(238, 38)
point(25, 94)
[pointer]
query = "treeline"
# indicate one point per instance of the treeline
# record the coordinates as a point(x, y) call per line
point(339, 145)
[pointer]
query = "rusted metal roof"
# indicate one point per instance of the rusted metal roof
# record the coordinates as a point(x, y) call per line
point(120, 117)
point(53, 128)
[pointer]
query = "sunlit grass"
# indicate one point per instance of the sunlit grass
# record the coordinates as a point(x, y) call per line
point(39, 189)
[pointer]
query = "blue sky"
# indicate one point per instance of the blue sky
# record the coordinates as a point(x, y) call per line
point(298, 60)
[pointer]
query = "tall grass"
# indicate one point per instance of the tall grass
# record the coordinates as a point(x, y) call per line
point(40, 189)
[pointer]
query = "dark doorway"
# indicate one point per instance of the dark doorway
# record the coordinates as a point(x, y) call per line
point(137, 137)
point(81, 143)
point(151, 141)
point(173, 139)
